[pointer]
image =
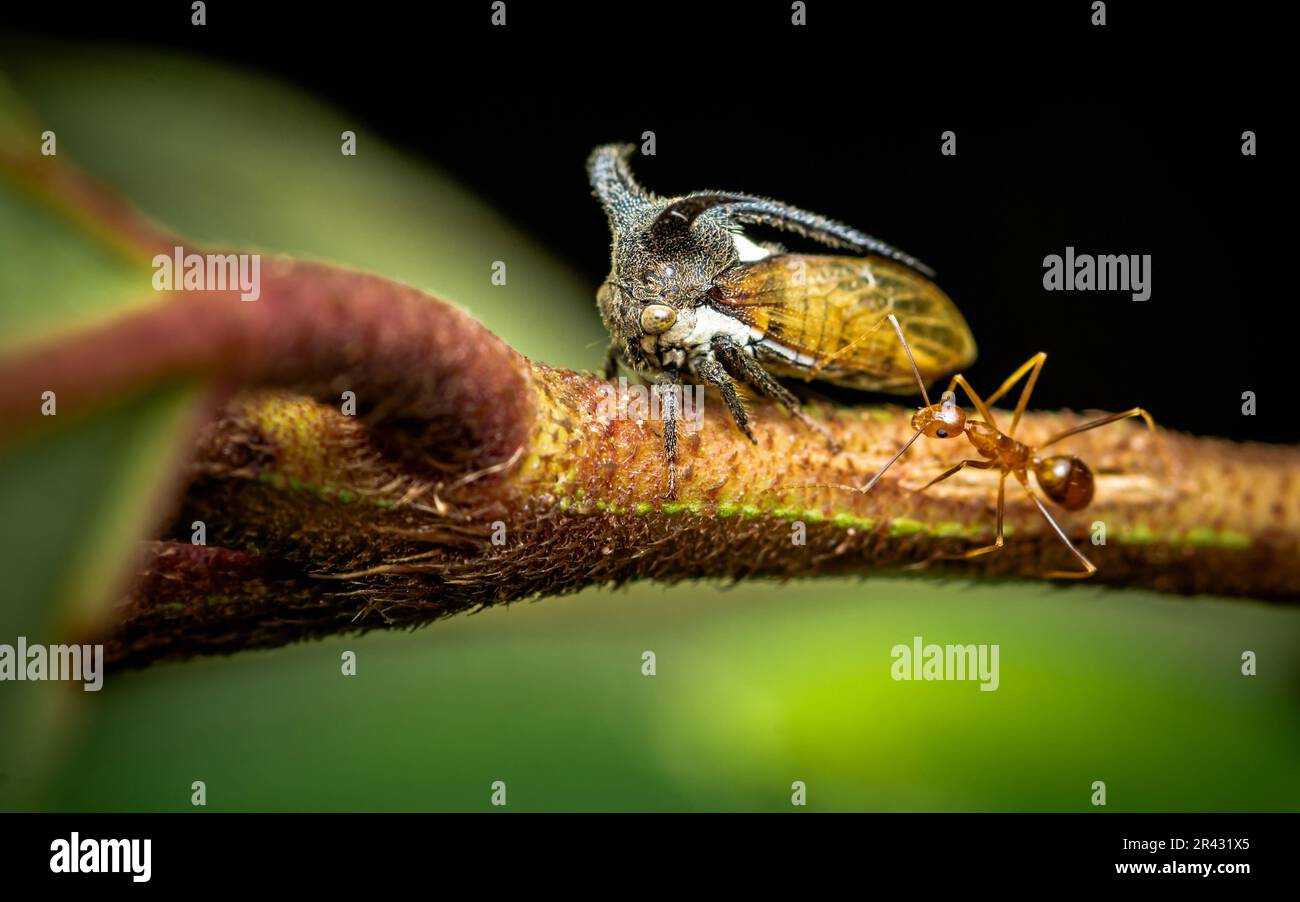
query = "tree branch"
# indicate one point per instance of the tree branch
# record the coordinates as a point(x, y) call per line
point(343, 524)
point(473, 477)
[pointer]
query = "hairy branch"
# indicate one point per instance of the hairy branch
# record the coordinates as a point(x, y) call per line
point(339, 523)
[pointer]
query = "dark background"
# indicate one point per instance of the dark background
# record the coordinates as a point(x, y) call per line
point(1123, 139)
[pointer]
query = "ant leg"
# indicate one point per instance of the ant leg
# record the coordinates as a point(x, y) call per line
point(666, 387)
point(744, 367)
point(1033, 366)
point(1135, 412)
point(1089, 568)
point(997, 540)
point(974, 464)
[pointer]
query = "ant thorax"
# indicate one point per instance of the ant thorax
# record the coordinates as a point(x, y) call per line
point(994, 444)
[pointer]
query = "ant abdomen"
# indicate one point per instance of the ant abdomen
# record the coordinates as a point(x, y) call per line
point(1066, 480)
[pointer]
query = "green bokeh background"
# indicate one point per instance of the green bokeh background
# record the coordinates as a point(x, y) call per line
point(757, 685)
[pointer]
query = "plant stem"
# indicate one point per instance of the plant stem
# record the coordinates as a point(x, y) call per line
point(346, 527)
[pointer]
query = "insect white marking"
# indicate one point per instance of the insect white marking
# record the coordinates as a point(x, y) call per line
point(748, 250)
point(710, 323)
point(796, 357)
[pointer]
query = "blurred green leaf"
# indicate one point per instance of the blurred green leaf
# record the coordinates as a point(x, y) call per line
point(80, 492)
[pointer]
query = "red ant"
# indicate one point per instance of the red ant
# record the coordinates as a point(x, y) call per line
point(1064, 478)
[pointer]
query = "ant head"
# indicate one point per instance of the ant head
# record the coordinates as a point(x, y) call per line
point(942, 420)
point(1066, 480)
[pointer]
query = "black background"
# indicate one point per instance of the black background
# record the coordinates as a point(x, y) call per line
point(1123, 139)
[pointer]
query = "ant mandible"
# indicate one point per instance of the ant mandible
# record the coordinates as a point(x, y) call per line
point(1064, 478)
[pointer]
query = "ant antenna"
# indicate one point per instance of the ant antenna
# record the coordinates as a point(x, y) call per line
point(901, 451)
point(910, 359)
point(920, 383)
point(948, 398)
